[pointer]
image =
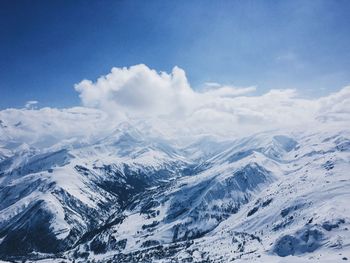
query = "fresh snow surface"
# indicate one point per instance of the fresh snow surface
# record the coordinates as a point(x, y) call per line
point(277, 196)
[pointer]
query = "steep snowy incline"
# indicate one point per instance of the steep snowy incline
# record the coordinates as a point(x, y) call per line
point(266, 197)
point(48, 200)
point(128, 197)
point(302, 214)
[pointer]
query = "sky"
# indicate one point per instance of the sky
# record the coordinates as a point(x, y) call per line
point(47, 47)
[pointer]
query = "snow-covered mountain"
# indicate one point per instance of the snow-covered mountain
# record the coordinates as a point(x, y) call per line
point(129, 197)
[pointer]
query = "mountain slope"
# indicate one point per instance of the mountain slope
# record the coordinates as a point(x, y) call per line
point(131, 198)
point(63, 194)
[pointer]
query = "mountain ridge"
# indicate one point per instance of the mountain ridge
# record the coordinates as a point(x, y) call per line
point(129, 197)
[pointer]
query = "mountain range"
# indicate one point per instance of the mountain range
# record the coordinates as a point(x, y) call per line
point(274, 196)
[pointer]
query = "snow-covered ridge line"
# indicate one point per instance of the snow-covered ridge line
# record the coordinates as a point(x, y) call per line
point(129, 196)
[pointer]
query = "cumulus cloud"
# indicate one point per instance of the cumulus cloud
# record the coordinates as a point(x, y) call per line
point(335, 106)
point(137, 90)
point(164, 103)
point(168, 102)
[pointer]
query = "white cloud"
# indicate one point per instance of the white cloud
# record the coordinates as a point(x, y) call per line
point(137, 90)
point(214, 89)
point(47, 126)
point(164, 103)
point(31, 104)
point(142, 93)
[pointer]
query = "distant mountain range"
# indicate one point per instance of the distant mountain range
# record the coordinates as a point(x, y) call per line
point(130, 197)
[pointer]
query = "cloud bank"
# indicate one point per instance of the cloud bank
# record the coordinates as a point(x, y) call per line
point(164, 103)
point(168, 100)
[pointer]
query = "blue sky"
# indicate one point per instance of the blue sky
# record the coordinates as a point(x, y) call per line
point(48, 46)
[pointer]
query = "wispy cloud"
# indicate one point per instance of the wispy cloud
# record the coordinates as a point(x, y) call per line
point(290, 58)
point(217, 90)
point(31, 104)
